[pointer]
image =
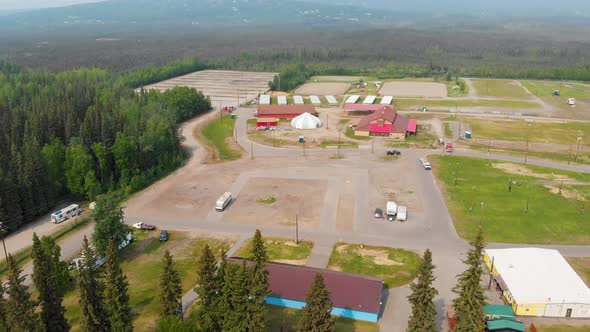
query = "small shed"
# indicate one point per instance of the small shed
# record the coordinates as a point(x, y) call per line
point(505, 325)
point(412, 126)
point(266, 122)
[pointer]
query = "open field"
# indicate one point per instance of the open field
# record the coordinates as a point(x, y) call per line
point(413, 89)
point(222, 86)
point(534, 211)
point(219, 134)
point(564, 156)
point(499, 88)
point(566, 89)
point(451, 103)
point(280, 250)
point(293, 197)
point(322, 88)
point(517, 130)
point(281, 319)
point(396, 266)
point(142, 263)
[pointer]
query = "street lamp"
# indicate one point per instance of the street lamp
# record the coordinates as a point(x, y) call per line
point(578, 147)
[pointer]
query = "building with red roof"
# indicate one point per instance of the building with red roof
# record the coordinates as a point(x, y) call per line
point(354, 296)
point(284, 111)
point(384, 121)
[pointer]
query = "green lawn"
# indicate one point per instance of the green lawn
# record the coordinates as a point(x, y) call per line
point(582, 267)
point(141, 262)
point(412, 103)
point(499, 88)
point(455, 92)
point(448, 131)
point(545, 132)
point(217, 133)
point(350, 134)
point(281, 319)
point(562, 328)
point(566, 89)
point(279, 249)
point(396, 266)
point(551, 218)
point(583, 158)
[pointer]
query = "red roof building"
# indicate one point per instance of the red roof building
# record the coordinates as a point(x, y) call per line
point(384, 121)
point(354, 296)
point(284, 111)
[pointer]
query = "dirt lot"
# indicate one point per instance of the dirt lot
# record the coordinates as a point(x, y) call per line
point(223, 86)
point(413, 89)
point(293, 197)
point(326, 88)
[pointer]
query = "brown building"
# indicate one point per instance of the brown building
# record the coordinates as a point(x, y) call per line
point(284, 111)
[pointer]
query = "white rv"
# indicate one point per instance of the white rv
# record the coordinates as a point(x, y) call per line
point(223, 201)
point(391, 210)
point(402, 213)
point(65, 213)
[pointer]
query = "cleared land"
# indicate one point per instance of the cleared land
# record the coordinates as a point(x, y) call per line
point(516, 130)
point(566, 89)
point(323, 88)
point(293, 197)
point(142, 263)
point(450, 103)
point(219, 134)
point(499, 88)
point(532, 211)
point(281, 319)
point(280, 250)
point(396, 266)
point(413, 89)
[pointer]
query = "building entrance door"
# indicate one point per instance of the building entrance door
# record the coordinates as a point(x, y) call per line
point(568, 313)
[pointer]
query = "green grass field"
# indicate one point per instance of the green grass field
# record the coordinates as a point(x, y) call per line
point(530, 213)
point(396, 266)
point(498, 88)
point(217, 133)
point(350, 134)
point(142, 263)
point(279, 249)
point(544, 132)
point(404, 103)
point(281, 319)
point(583, 158)
point(566, 89)
point(582, 267)
point(562, 328)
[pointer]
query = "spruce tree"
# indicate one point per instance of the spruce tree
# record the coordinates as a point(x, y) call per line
point(206, 289)
point(170, 289)
point(3, 322)
point(46, 279)
point(94, 316)
point(217, 303)
point(115, 294)
point(236, 293)
point(470, 298)
point(423, 318)
point(20, 310)
point(316, 315)
point(259, 285)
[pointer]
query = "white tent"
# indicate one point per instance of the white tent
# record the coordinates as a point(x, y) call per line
point(306, 121)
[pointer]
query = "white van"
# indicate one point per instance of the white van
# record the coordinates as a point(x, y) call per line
point(223, 201)
point(65, 213)
point(425, 163)
point(391, 210)
point(402, 213)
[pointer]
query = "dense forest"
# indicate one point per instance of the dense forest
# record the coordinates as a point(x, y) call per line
point(85, 132)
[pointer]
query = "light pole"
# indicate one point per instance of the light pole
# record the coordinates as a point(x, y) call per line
point(2, 233)
point(526, 151)
point(578, 147)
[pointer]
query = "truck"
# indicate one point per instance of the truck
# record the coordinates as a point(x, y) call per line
point(223, 201)
point(449, 147)
point(391, 210)
point(402, 213)
point(144, 227)
point(425, 163)
point(65, 213)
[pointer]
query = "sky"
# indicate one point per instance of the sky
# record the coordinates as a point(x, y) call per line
point(6, 5)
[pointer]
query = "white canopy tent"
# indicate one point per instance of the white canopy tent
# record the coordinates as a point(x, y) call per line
point(306, 121)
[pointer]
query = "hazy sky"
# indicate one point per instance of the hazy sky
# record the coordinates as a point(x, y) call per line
point(27, 4)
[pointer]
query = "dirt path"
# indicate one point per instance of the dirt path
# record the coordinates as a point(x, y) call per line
point(472, 90)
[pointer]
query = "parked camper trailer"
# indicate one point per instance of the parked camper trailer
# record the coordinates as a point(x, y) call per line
point(65, 213)
point(391, 210)
point(223, 201)
point(402, 213)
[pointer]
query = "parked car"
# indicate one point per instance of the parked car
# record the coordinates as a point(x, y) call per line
point(378, 213)
point(425, 164)
point(393, 153)
point(163, 235)
point(144, 226)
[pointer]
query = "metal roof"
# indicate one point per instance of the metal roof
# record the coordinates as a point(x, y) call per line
point(539, 276)
point(497, 310)
point(298, 100)
point(386, 100)
point(315, 100)
point(504, 324)
point(331, 99)
point(352, 99)
point(282, 100)
point(369, 99)
point(264, 100)
point(266, 110)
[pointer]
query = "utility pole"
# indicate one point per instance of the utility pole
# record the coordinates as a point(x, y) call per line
point(303, 145)
point(339, 143)
point(373, 145)
point(491, 273)
point(2, 233)
point(526, 151)
point(578, 148)
point(489, 145)
point(296, 228)
point(252, 150)
point(456, 173)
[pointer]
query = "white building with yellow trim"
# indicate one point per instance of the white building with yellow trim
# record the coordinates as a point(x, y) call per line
point(538, 282)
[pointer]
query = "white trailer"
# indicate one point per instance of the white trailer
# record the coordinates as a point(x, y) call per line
point(402, 213)
point(391, 210)
point(65, 213)
point(223, 201)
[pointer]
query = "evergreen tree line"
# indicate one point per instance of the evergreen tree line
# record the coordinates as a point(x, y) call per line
point(80, 133)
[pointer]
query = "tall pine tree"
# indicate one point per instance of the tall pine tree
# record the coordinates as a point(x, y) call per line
point(217, 303)
point(46, 276)
point(94, 315)
point(423, 318)
point(3, 322)
point(170, 289)
point(259, 285)
point(316, 315)
point(470, 298)
point(206, 290)
point(116, 299)
point(236, 299)
point(20, 310)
